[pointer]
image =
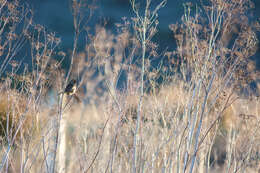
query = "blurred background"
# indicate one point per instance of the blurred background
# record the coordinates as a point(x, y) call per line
point(57, 17)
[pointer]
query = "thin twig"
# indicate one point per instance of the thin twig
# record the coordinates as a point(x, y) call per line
point(99, 145)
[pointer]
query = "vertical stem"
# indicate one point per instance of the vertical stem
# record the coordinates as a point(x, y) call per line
point(50, 155)
point(57, 130)
point(137, 137)
point(62, 141)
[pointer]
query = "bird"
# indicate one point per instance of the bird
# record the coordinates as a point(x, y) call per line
point(70, 88)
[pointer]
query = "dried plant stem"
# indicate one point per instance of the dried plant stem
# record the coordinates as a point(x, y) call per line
point(98, 149)
point(62, 141)
point(58, 125)
point(144, 25)
point(137, 135)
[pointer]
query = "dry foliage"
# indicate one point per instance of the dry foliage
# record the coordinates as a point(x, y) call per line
point(194, 113)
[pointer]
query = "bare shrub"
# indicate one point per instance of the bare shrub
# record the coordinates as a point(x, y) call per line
point(197, 119)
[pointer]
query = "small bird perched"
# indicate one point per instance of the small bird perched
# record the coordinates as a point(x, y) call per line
point(71, 87)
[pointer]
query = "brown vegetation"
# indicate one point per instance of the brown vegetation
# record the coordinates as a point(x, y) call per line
point(202, 117)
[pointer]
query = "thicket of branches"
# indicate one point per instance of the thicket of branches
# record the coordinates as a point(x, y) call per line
point(193, 112)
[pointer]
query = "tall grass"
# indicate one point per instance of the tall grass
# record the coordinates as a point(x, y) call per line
point(202, 115)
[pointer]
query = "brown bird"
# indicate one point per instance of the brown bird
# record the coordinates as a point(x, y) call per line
point(71, 87)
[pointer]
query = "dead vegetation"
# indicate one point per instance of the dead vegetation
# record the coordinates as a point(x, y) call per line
point(195, 113)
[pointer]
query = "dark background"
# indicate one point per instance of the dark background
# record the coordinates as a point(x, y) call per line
point(56, 16)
